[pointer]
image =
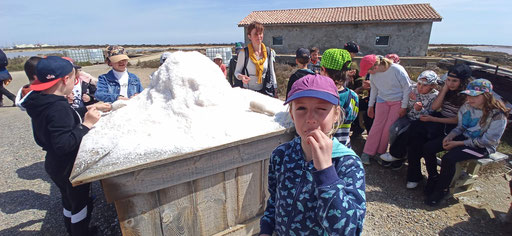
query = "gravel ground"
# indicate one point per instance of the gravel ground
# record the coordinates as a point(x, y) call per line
point(30, 203)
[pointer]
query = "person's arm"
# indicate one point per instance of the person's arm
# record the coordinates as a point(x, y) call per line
point(267, 221)
point(458, 130)
point(492, 135)
point(64, 134)
point(273, 71)
point(341, 205)
point(102, 93)
point(223, 69)
point(373, 93)
point(139, 84)
point(239, 65)
point(405, 84)
point(438, 102)
point(451, 120)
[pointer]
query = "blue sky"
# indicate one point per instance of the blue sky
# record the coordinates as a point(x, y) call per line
point(203, 21)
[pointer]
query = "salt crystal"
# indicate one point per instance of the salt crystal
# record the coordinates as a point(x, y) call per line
point(188, 106)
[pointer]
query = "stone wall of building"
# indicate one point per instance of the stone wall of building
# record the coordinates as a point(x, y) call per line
point(405, 39)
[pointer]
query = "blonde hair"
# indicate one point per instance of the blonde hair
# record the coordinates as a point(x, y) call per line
point(382, 61)
point(491, 103)
point(338, 123)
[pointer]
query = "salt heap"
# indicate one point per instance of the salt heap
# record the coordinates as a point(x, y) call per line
point(188, 106)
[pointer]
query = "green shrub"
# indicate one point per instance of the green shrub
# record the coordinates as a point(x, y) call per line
point(148, 64)
point(16, 63)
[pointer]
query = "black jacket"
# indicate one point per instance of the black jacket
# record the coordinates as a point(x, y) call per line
point(296, 76)
point(57, 129)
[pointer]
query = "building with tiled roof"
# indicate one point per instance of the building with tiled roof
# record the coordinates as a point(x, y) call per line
point(401, 29)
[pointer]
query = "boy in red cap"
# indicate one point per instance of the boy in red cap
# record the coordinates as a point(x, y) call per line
point(59, 129)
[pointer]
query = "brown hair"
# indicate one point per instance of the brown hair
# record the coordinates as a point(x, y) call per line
point(491, 103)
point(314, 49)
point(303, 61)
point(338, 76)
point(255, 25)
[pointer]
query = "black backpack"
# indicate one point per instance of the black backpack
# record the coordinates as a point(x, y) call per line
point(3, 59)
point(268, 87)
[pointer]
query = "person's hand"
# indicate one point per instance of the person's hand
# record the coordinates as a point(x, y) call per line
point(134, 95)
point(366, 85)
point(70, 97)
point(447, 139)
point(91, 117)
point(445, 88)
point(321, 148)
point(412, 95)
point(104, 107)
point(418, 106)
point(451, 144)
point(371, 112)
point(426, 118)
point(402, 112)
point(122, 98)
point(245, 79)
point(86, 98)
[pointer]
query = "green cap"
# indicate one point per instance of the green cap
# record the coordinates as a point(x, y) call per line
point(336, 59)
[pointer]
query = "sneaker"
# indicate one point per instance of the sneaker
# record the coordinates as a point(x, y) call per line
point(387, 157)
point(436, 197)
point(412, 185)
point(383, 163)
point(430, 186)
point(397, 165)
point(365, 158)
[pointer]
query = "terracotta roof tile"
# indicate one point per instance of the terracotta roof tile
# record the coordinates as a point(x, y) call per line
point(363, 14)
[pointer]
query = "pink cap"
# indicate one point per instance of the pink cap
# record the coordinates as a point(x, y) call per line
point(366, 63)
point(395, 58)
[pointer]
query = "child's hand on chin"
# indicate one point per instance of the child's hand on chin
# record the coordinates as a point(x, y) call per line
point(321, 149)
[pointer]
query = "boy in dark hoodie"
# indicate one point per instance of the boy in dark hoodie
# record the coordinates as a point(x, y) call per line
point(59, 129)
point(30, 71)
point(302, 58)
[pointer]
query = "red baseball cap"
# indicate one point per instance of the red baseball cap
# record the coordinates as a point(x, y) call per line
point(366, 63)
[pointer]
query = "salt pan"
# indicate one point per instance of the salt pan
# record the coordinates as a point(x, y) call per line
point(188, 106)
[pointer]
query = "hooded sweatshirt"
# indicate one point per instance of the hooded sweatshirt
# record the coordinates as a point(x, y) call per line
point(304, 201)
point(57, 129)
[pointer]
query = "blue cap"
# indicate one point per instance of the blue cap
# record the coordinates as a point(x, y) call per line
point(49, 71)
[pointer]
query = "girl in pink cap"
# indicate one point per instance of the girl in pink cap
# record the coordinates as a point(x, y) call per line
point(390, 88)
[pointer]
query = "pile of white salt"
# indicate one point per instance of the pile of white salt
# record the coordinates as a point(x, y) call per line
point(188, 106)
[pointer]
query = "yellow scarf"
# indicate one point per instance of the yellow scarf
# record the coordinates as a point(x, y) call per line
point(258, 63)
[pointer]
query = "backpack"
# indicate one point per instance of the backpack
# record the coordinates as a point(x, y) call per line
point(268, 87)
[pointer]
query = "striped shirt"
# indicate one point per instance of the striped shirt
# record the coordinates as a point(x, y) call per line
point(349, 102)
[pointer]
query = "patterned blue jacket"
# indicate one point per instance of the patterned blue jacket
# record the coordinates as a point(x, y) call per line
point(304, 201)
point(108, 87)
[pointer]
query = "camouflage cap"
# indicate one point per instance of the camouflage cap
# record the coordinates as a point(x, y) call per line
point(336, 59)
point(116, 53)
